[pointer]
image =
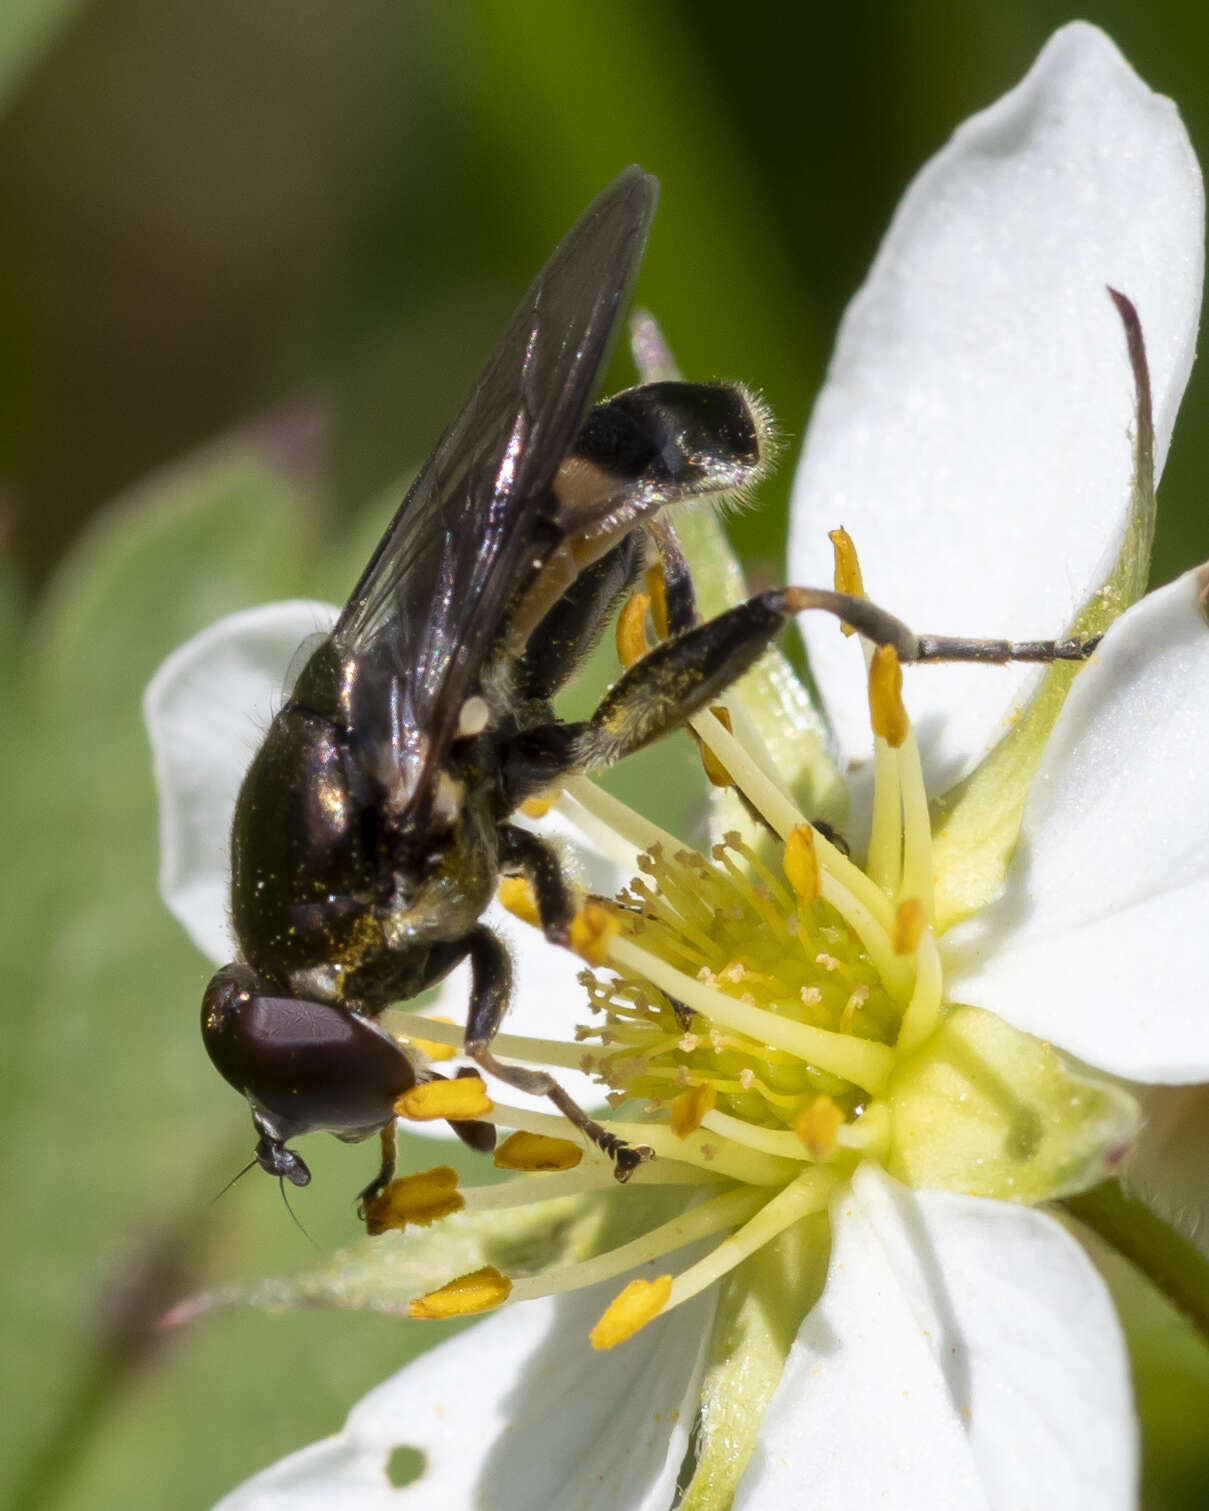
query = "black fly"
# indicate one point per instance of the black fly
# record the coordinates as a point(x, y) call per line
point(374, 823)
point(372, 826)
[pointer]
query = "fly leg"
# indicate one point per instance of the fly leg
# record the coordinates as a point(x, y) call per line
point(678, 591)
point(386, 1170)
point(683, 675)
point(490, 990)
point(522, 853)
point(675, 680)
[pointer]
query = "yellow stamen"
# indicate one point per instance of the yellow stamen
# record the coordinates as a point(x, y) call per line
point(847, 566)
point(852, 888)
point(856, 1000)
point(690, 1107)
point(916, 880)
point(434, 1049)
point(479, 1291)
point(460, 1100)
point(717, 1215)
point(925, 1007)
point(801, 863)
point(533, 1151)
point(538, 807)
point(720, 1157)
point(592, 929)
point(886, 711)
point(714, 769)
point(515, 894)
point(818, 1127)
point(609, 818)
point(639, 1303)
point(631, 629)
point(510, 1046)
point(860, 1060)
point(885, 861)
point(657, 588)
point(910, 921)
point(421, 1198)
point(809, 1193)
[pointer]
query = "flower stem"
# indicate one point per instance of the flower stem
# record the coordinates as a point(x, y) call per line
point(1175, 1266)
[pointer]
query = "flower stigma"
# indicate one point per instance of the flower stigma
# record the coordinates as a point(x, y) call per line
point(766, 1018)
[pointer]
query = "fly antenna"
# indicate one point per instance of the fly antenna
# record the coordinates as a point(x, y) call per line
point(293, 1214)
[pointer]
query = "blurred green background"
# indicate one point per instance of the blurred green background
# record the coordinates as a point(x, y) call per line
point(299, 225)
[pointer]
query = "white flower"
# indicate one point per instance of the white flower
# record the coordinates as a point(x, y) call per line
point(974, 436)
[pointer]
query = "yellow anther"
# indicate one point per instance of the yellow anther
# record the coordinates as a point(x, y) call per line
point(479, 1291)
point(591, 930)
point(538, 807)
point(847, 569)
point(639, 1303)
point(714, 769)
point(847, 566)
point(690, 1107)
point(656, 586)
point(421, 1198)
point(910, 921)
point(534, 1151)
point(515, 894)
point(461, 1100)
point(631, 629)
point(817, 1127)
point(801, 863)
point(886, 711)
point(429, 1048)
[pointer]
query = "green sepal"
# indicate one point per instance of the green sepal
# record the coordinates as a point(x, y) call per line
point(986, 1110)
point(761, 1308)
point(384, 1274)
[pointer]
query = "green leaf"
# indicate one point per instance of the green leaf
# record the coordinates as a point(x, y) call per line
point(28, 28)
point(115, 1133)
point(220, 531)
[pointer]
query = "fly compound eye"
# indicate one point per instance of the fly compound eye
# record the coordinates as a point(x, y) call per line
point(304, 1066)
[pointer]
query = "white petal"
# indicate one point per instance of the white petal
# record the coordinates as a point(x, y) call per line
point(974, 431)
point(516, 1414)
point(964, 1355)
point(206, 710)
point(1099, 941)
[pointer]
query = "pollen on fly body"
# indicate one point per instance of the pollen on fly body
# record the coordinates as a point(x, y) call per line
point(374, 824)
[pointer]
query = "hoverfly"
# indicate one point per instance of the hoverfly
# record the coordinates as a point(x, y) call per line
point(374, 823)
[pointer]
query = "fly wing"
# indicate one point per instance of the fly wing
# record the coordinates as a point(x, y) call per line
point(480, 518)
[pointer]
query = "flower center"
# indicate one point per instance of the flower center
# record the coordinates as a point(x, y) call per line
point(739, 932)
point(767, 1018)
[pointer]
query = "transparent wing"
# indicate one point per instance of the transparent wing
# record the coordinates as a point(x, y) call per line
point(480, 518)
